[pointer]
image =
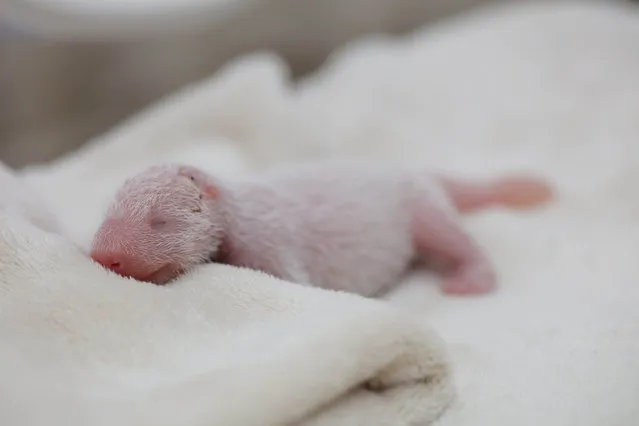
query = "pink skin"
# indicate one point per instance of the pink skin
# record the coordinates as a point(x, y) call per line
point(336, 227)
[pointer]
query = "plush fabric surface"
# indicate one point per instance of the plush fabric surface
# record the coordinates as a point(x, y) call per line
point(550, 88)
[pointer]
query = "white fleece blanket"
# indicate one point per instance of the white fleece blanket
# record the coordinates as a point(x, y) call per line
point(550, 88)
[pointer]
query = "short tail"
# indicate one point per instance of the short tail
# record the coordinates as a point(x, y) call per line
point(515, 192)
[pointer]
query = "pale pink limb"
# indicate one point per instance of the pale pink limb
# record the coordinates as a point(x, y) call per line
point(437, 233)
point(516, 192)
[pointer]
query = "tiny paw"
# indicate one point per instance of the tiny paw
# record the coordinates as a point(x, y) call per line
point(471, 280)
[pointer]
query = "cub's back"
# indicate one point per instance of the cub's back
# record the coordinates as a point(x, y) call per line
point(344, 227)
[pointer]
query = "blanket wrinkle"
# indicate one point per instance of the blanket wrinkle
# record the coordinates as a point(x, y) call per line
point(125, 349)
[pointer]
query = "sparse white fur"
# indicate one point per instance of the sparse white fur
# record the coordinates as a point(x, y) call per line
point(340, 226)
point(337, 226)
point(153, 220)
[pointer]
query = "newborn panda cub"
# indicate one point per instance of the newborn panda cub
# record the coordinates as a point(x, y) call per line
point(342, 226)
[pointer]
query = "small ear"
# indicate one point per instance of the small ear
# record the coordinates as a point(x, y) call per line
point(210, 191)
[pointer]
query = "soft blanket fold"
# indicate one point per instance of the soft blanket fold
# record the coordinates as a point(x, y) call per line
point(223, 346)
point(550, 88)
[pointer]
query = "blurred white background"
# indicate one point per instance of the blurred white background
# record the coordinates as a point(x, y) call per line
point(63, 81)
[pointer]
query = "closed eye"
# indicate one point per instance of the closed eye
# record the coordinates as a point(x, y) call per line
point(158, 224)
